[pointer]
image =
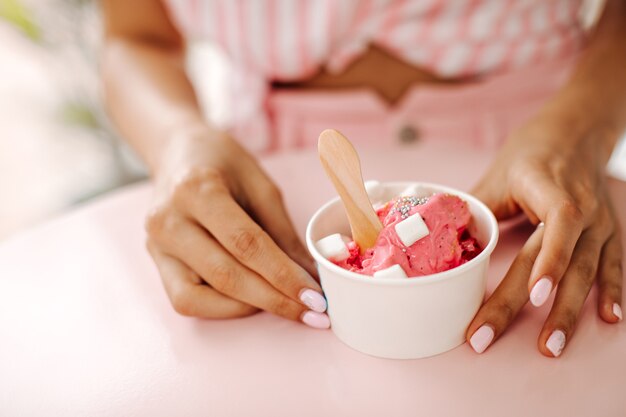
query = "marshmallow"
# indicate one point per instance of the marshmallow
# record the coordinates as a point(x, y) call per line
point(394, 271)
point(334, 247)
point(412, 190)
point(411, 229)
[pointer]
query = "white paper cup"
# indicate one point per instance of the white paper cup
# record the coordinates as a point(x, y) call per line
point(403, 318)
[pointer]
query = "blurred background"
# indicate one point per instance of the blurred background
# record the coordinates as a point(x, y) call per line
point(57, 148)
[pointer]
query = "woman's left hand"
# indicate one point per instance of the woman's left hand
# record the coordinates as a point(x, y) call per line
point(556, 178)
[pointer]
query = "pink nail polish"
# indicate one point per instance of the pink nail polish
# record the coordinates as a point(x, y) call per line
point(556, 343)
point(482, 338)
point(313, 300)
point(316, 320)
point(617, 311)
point(541, 291)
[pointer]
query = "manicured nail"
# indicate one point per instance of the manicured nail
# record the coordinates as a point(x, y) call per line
point(481, 338)
point(316, 320)
point(556, 343)
point(617, 310)
point(541, 291)
point(313, 300)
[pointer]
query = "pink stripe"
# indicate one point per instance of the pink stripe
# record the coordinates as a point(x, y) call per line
point(511, 53)
point(302, 31)
point(392, 18)
point(496, 31)
point(272, 44)
point(361, 15)
point(221, 39)
point(464, 24)
point(428, 22)
point(514, 46)
point(245, 55)
point(574, 11)
point(194, 17)
point(424, 33)
point(333, 11)
point(538, 56)
point(540, 46)
point(570, 43)
point(220, 27)
point(499, 25)
point(271, 48)
point(442, 51)
point(552, 17)
point(438, 51)
point(472, 63)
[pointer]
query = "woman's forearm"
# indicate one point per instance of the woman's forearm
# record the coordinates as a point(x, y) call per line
point(595, 96)
point(148, 95)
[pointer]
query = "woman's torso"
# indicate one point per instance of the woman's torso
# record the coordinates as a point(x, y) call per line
point(388, 46)
point(289, 40)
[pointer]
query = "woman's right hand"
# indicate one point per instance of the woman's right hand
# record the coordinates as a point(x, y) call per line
point(221, 237)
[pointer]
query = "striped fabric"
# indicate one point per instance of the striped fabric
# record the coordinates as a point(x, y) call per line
point(264, 40)
point(291, 39)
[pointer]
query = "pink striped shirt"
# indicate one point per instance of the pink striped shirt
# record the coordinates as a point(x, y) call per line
point(292, 39)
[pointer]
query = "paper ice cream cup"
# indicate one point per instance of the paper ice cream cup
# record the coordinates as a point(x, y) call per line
point(403, 318)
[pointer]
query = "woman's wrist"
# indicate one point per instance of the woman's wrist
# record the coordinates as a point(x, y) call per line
point(181, 145)
point(574, 120)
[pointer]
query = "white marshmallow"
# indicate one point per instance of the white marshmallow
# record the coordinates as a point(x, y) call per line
point(394, 271)
point(375, 190)
point(411, 229)
point(334, 247)
point(412, 190)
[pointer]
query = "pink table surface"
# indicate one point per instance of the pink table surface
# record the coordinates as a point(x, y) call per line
point(86, 328)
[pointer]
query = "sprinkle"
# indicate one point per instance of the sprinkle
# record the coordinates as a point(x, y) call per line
point(404, 204)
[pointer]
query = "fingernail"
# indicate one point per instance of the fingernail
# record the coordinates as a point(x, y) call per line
point(541, 291)
point(617, 310)
point(482, 338)
point(556, 343)
point(313, 300)
point(316, 320)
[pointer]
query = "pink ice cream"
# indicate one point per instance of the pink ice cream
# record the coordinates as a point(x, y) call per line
point(447, 246)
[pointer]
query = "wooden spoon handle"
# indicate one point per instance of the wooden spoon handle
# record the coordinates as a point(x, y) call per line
point(342, 165)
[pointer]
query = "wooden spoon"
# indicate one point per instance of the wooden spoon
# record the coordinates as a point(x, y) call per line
point(341, 163)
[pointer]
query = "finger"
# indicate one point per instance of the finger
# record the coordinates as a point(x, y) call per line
point(571, 294)
point(610, 280)
point(564, 224)
point(190, 296)
point(213, 206)
point(491, 193)
point(196, 248)
point(269, 209)
point(507, 300)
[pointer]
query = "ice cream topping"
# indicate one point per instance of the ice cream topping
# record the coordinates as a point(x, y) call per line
point(420, 235)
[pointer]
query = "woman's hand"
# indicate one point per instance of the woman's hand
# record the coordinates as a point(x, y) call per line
point(556, 178)
point(221, 238)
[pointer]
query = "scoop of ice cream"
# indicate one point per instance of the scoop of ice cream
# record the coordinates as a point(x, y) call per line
point(448, 244)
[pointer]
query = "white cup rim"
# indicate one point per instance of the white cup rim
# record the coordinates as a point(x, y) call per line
point(421, 280)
